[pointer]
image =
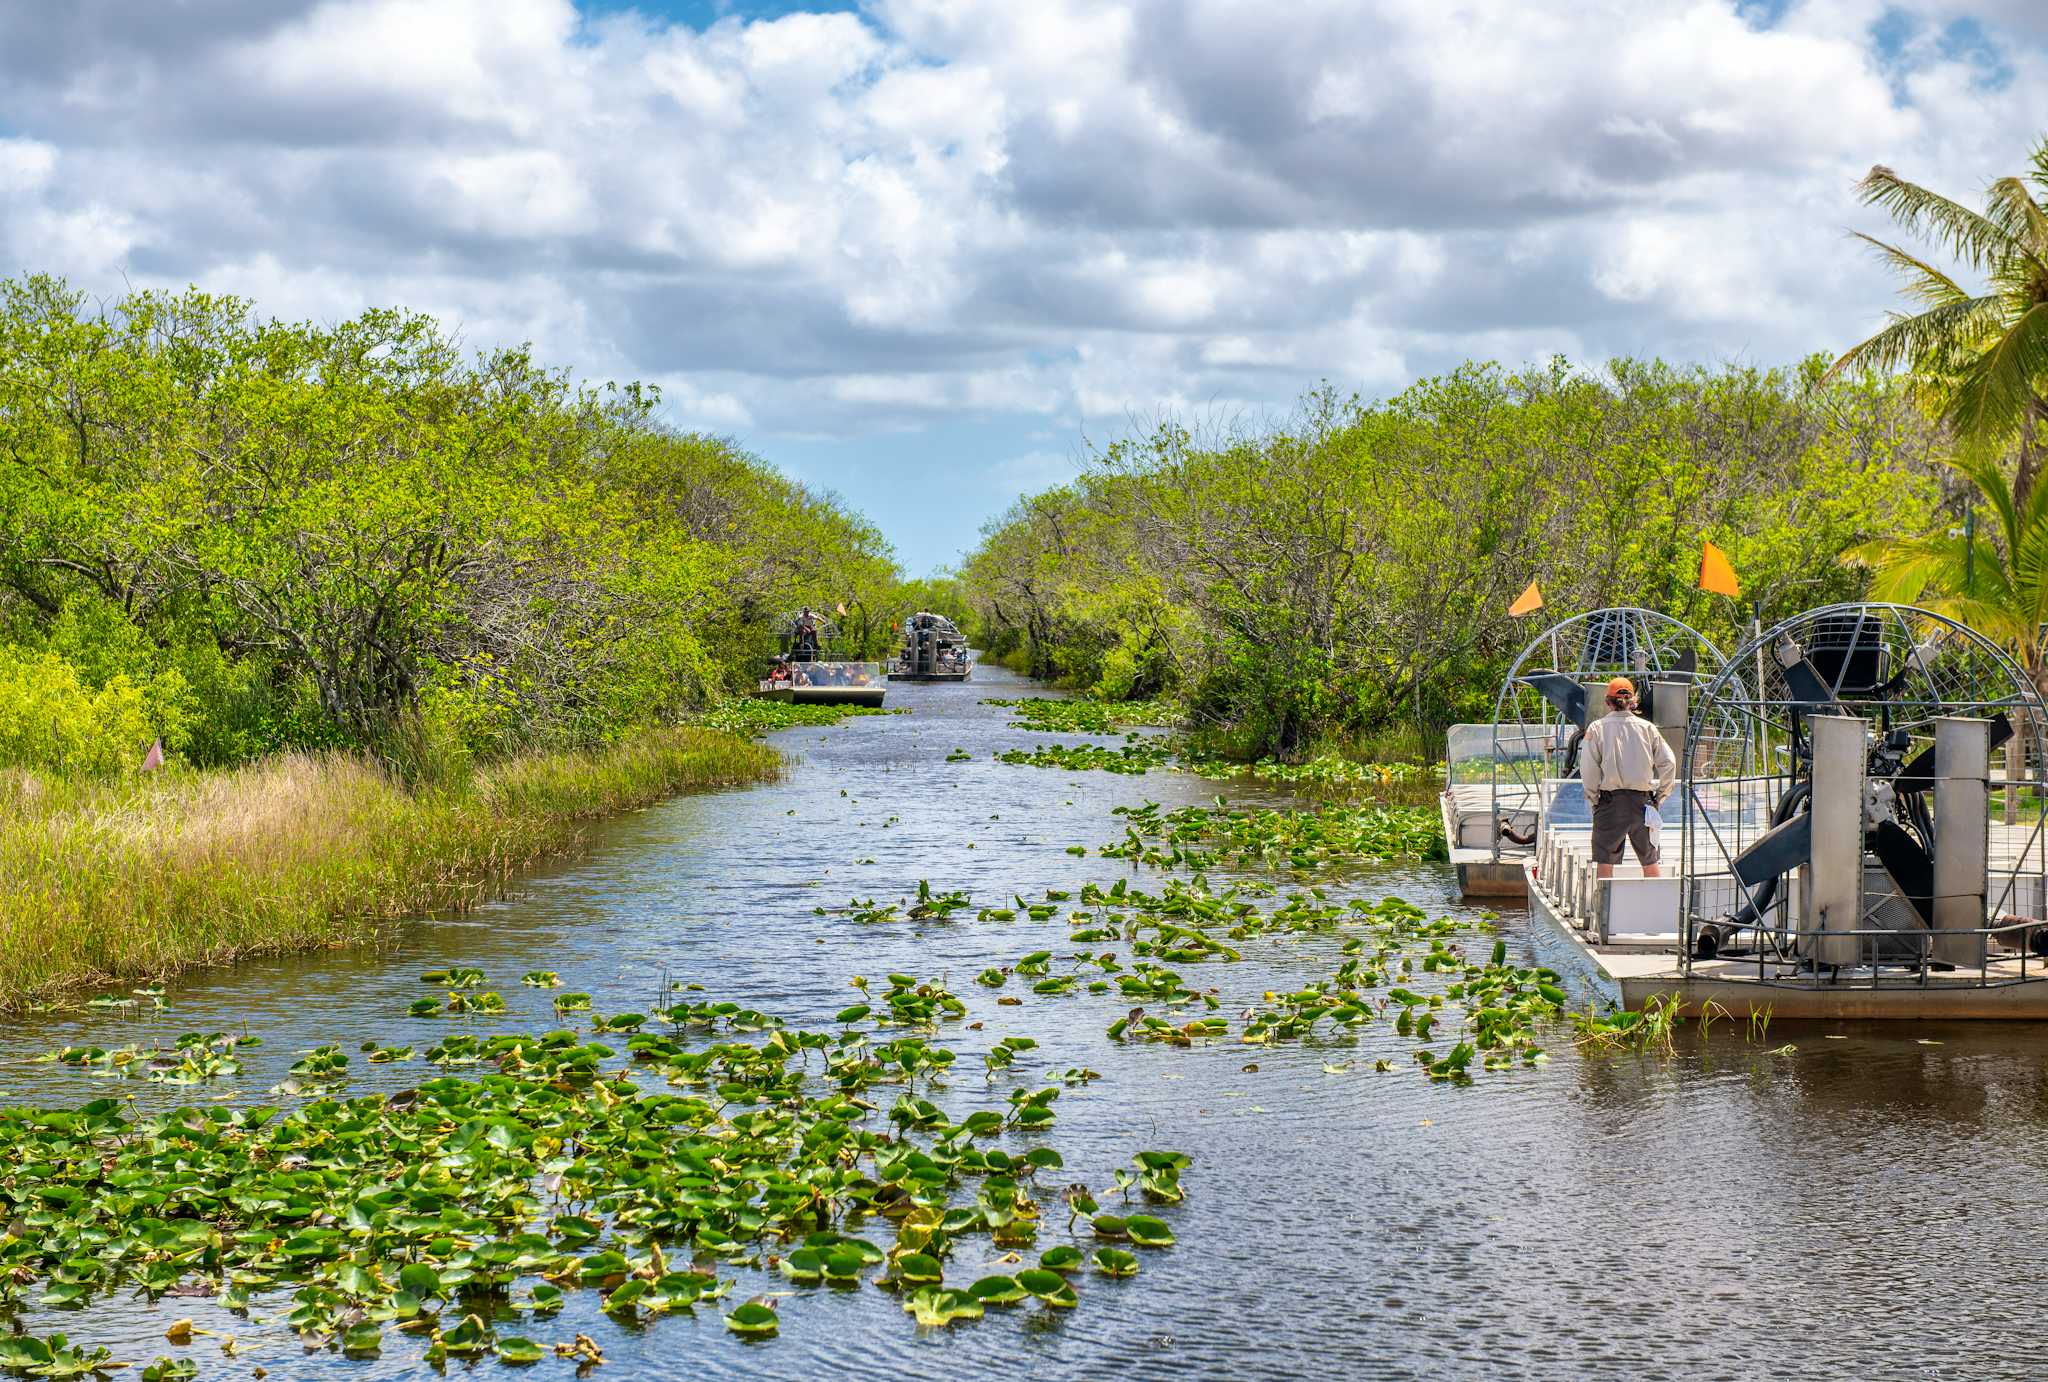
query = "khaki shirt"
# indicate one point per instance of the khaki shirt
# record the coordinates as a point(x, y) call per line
point(1624, 752)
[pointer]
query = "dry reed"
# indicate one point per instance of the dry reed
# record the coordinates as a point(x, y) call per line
point(115, 882)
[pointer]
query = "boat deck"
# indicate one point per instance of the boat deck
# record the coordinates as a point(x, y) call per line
point(1469, 829)
point(1626, 930)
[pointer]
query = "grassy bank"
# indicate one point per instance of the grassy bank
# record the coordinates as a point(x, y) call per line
point(113, 882)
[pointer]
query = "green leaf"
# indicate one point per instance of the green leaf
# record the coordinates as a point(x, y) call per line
point(364, 1337)
point(753, 1319)
point(1115, 1262)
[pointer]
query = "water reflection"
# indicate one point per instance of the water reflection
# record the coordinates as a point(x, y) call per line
point(1838, 1209)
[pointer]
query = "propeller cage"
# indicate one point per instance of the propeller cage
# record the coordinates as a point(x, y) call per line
point(1861, 804)
point(1555, 685)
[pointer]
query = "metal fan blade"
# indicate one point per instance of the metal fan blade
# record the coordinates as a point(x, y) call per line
point(1779, 850)
point(1908, 864)
point(1561, 691)
point(1918, 775)
point(1807, 688)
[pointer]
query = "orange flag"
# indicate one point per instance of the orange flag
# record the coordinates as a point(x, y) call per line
point(1527, 602)
point(1717, 577)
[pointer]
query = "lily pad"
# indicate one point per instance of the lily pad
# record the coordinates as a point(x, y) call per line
point(753, 1320)
point(1064, 1258)
point(364, 1337)
point(469, 1338)
point(1040, 1282)
point(1115, 1262)
point(998, 1290)
point(917, 1268)
point(519, 1350)
point(934, 1306)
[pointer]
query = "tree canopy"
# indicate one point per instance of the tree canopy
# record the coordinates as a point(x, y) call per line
point(1348, 572)
point(278, 534)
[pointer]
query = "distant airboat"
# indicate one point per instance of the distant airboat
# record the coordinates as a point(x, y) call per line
point(810, 668)
point(933, 649)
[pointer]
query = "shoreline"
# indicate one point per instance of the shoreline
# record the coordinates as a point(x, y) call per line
point(144, 878)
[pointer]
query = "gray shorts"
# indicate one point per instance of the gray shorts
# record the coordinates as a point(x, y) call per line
point(1618, 816)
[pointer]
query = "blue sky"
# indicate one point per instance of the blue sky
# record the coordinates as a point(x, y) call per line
point(926, 253)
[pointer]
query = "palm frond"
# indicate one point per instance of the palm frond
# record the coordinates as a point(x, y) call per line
point(1995, 621)
point(1994, 391)
point(1987, 473)
point(2013, 209)
point(1975, 239)
point(1902, 570)
point(1938, 335)
point(1924, 282)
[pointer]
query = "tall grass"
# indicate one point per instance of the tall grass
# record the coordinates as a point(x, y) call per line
point(106, 882)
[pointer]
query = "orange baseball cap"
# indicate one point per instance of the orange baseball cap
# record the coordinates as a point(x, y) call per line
point(1617, 686)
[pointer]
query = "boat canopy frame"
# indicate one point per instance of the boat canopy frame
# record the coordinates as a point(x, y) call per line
point(1620, 640)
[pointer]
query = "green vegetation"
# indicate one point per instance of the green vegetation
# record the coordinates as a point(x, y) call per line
point(752, 716)
point(1341, 582)
point(248, 536)
point(1997, 583)
point(417, 612)
point(527, 1166)
point(1979, 360)
point(1135, 756)
point(1203, 837)
point(109, 881)
point(1326, 774)
point(1076, 715)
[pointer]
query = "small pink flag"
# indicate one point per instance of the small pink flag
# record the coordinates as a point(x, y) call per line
point(155, 757)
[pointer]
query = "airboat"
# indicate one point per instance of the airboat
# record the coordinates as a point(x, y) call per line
point(933, 649)
point(810, 667)
point(1855, 834)
point(1495, 773)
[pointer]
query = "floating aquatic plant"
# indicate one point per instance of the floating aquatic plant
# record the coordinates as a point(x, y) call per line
point(449, 1208)
point(1135, 756)
point(753, 715)
point(192, 1059)
point(1049, 715)
point(1324, 774)
point(1202, 837)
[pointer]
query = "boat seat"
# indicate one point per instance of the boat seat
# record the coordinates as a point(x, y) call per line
point(1635, 909)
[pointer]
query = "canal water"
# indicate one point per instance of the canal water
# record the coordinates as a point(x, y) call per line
point(1835, 1202)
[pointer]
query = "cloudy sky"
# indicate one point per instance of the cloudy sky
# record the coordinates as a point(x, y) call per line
point(922, 251)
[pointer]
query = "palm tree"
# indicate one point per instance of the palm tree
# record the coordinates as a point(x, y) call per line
point(1979, 360)
point(1999, 588)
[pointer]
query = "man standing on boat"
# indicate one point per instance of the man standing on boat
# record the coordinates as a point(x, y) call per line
point(1627, 770)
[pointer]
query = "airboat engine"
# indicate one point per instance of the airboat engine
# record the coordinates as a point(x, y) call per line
point(1874, 890)
point(1867, 749)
